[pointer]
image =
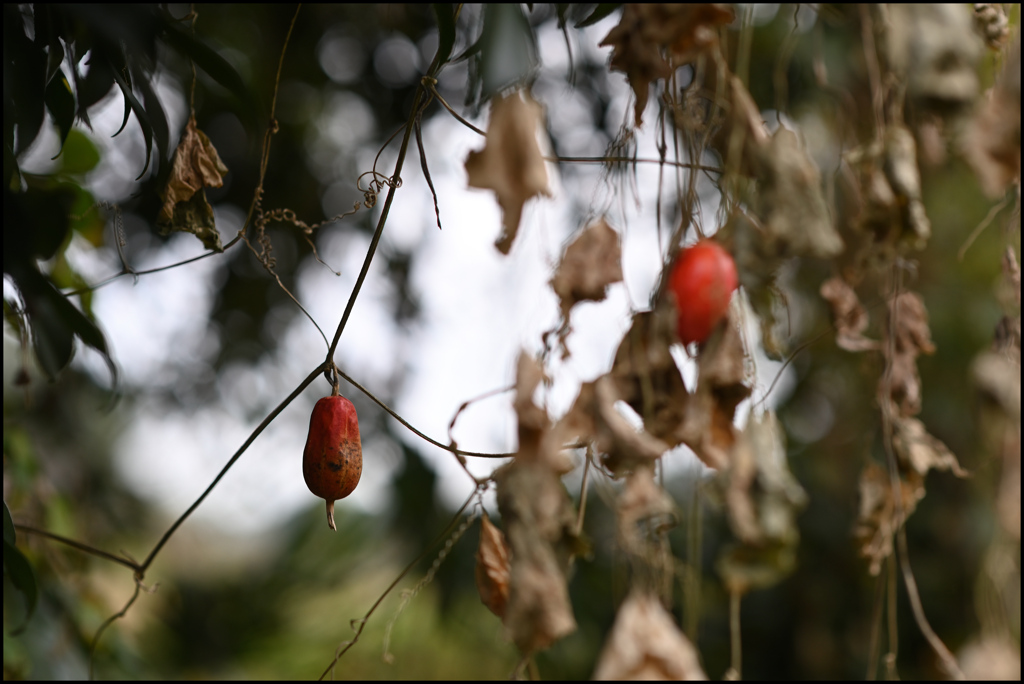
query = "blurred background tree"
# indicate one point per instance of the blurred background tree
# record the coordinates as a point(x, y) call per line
point(277, 601)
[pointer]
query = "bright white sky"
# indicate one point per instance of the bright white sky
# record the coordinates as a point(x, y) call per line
point(479, 309)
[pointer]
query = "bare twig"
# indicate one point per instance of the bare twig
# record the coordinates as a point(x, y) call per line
point(238, 454)
point(84, 548)
point(361, 622)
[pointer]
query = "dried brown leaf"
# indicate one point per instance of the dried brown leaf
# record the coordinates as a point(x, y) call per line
point(992, 141)
point(790, 202)
point(641, 500)
point(761, 496)
point(935, 49)
point(848, 316)
point(646, 375)
point(707, 427)
point(878, 519)
point(904, 177)
point(591, 263)
point(492, 567)
point(917, 449)
point(912, 337)
point(196, 166)
point(646, 644)
point(511, 163)
point(539, 522)
point(647, 31)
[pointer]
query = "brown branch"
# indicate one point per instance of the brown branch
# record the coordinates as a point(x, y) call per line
point(84, 548)
point(238, 454)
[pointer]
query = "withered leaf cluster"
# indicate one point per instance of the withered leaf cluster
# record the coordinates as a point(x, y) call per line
point(762, 499)
point(196, 166)
point(592, 262)
point(539, 523)
point(650, 40)
point(887, 198)
point(511, 163)
point(916, 451)
point(992, 142)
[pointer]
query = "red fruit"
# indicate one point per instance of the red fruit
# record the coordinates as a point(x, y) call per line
point(703, 279)
point(333, 458)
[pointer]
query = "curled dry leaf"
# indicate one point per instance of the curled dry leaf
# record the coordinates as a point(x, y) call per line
point(492, 567)
point(761, 496)
point(934, 47)
point(593, 416)
point(646, 644)
point(762, 499)
point(991, 24)
point(196, 166)
point(790, 202)
point(911, 338)
point(904, 178)
point(646, 376)
point(878, 519)
point(708, 427)
point(646, 33)
point(641, 501)
point(918, 450)
point(511, 163)
point(992, 142)
point(539, 521)
point(848, 316)
point(591, 263)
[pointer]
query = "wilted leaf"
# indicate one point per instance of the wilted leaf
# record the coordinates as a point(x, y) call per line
point(761, 496)
point(591, 263)
point(646, 644)
point(641, 501)
point(919, 450)
point(721, 372)
point(935, 49)
point(646, 375)
point(991, 144)
point(196, 166)
point(511, 163)
point(539, 521)
point(912, 337)
point(492, 567)
point(991, 24)
point(904, 178)
point(745, 568)
point(646, 33)
point(878, 519)
point(848, 316)
point(790, 203)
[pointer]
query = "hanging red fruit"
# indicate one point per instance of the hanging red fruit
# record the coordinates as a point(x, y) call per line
point(703, 280)
point(333, 458)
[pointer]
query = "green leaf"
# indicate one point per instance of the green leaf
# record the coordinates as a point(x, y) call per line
point(157, 117)
point(19, 571)
point(140, 114)
point(80, 154)
point(602, 10)
point(445, 13)
point(218, 68)
point(9, 534)
point(24, 81)
point(60, 102)
point(509, 51)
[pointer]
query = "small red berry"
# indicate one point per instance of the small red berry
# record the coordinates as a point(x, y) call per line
point(333, 458)
point(703, 280)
